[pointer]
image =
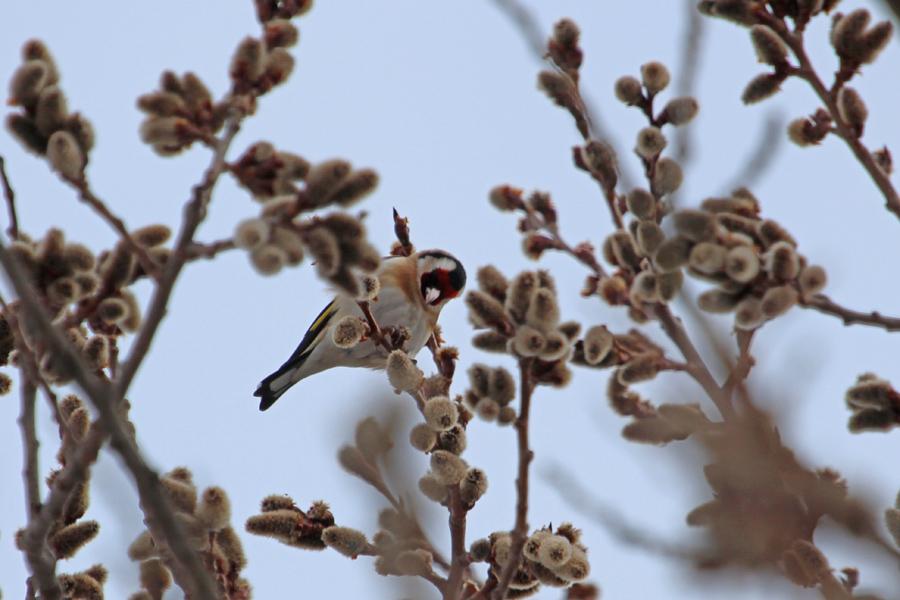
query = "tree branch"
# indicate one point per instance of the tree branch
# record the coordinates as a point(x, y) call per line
point(826, 305)
point(13, 230)
point(520, 531)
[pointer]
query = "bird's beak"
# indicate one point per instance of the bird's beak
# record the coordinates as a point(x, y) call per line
point(432, 295)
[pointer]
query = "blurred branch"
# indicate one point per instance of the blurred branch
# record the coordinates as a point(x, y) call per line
point(526, 23)
point(520, 532)
point(826, 305)
point(763, 157)
point(194, 213)
point(894, 6)
point(160, 517)
point(575, 494)
point(13, 230)
point(687, 76)
point(828, 96)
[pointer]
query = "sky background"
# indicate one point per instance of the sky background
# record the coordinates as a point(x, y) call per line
point(440, 99)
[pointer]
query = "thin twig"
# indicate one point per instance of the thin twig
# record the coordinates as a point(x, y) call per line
point(697, 368)
point(828, 97)
point(527, 25)
point(520, 531)
point(688, 70)
point(745, 362)
point(763, 157)
point(374, 331)
point(458, 553)
point(194, 213)
point(160, 516)
point(86, 195)
point(826, 305)
point(13, 230)
point(574, 493)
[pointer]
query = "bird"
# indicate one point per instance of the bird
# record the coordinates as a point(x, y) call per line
point(413, 291)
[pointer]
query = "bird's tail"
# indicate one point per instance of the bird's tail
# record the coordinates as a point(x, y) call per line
point(272, 387)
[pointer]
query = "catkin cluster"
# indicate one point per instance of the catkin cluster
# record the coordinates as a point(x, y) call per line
point(524, 321)
point(70, 532)
point(336, 242)
point(554, 559)
point(206, 522)
point(875, 404)
point(86, 295)
point(759, 274)
point(280, 518)
point(44, 125)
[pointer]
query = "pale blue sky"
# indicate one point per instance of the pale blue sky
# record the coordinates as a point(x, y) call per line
point(440, 99)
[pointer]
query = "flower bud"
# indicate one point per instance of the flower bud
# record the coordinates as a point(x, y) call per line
point(484, 309)
point(51, 112)
point(655, 77)
point(65, 155)
point(628, 90)
point(348, 332)
point(673, 253)
point(708, 257)
point(769, 47)
point(668, 284)
point(422, 437)
point(432, 488)
point(695, 225)
point(761, 87)
point(554, 551)
point(528, 341)
point(268, 259)
point(649, 237)
point(667, 177)
point(641, 203)
point(355, 187)
point(642, 367)
point(851, 108)
point(440, 413)
point(717, 301)
point(521, 291)
point(782, 262)
point(473, 486)
point(742, 264)
point(345, 540)
point(643, 288)
point(748, 314)
point(650, 142)
point(502, 386)
point(403, 373)
point(778, 300)
point(543, 312)
point(67, 541)
point(681, 110)
point(812, 280)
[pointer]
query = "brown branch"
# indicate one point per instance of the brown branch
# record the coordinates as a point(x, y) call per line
point(86, 195)
point(763, 157)
point(527, 25)
point(194, 213)
point(696, 366)
point(741, 369)
point(459, 556)
point(160, 516)
point(520, 531)
point(575, 494)
point(826, 305)
point(197, 250)
point(688, 71)
point(374, 331)
point(828, 97)
point(13, 230)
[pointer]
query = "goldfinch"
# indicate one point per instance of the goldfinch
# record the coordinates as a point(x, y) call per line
point(413, 291)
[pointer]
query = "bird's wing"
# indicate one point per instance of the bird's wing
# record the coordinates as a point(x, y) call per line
point(272, 387)
point(317, 327)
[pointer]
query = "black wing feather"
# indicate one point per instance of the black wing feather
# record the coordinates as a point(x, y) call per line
point(264, 390)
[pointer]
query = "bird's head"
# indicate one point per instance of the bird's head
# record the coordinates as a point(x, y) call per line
point(441, 277)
